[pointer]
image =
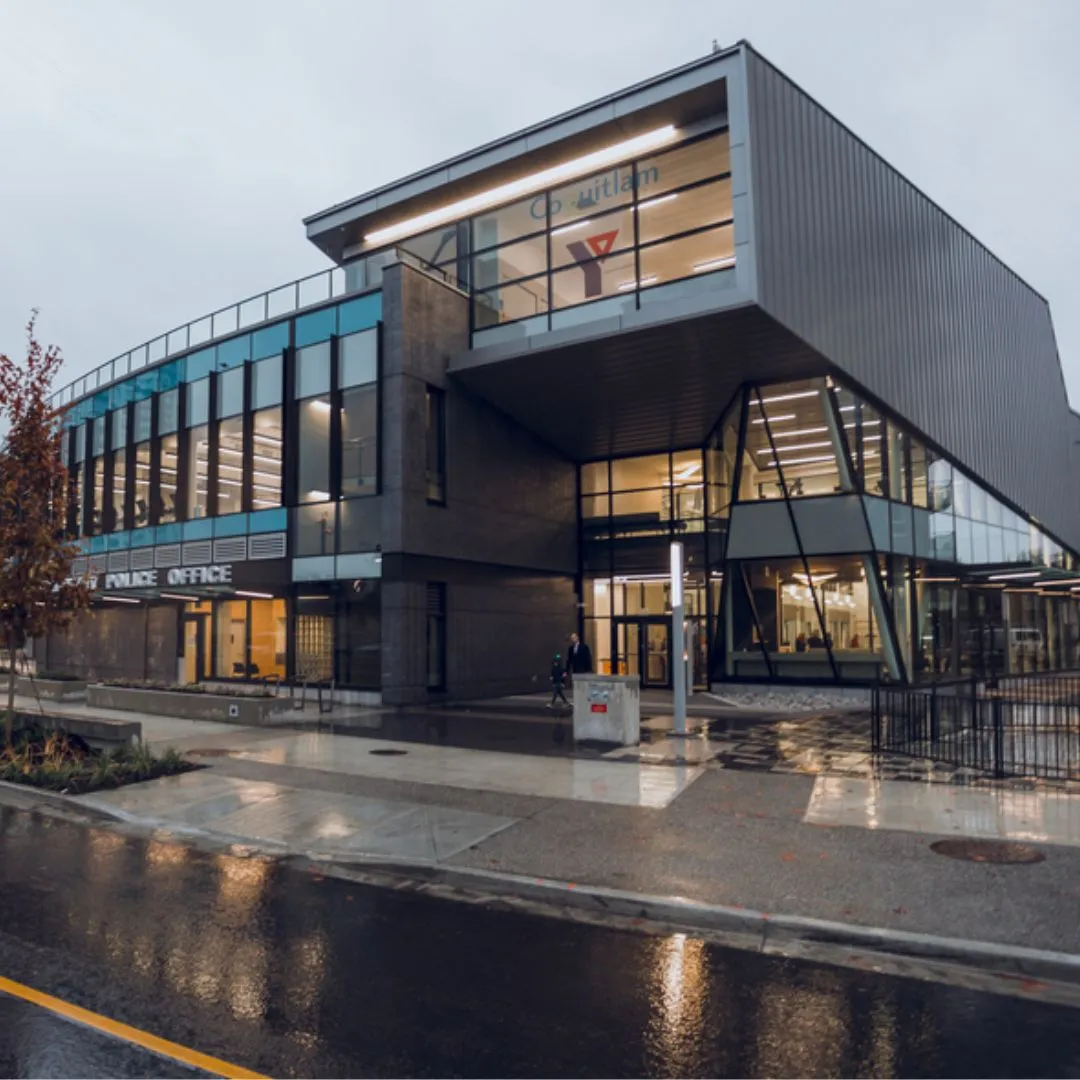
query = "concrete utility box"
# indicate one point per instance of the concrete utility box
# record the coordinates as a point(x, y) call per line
point(607, 708)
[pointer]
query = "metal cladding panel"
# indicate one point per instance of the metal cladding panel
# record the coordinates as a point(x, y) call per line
point(868, 271)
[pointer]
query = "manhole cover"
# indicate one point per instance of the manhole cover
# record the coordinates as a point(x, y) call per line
point(388, 753)
point(987, 851)
point(214, 751)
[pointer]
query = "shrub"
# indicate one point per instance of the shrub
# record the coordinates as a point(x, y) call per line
point(186, 688)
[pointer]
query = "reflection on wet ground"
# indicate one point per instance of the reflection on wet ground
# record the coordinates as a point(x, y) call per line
point(292, 974)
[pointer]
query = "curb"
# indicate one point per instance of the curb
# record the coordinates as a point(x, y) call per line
point(762, 931)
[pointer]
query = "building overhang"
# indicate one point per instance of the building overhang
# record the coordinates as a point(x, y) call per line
point(684, 98)
point(623, 391)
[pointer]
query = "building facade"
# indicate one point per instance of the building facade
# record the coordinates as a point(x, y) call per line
point(700, 310)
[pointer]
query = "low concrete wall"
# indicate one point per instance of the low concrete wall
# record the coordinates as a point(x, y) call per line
point(50, 689)
point(252, 711)
point(100, 734)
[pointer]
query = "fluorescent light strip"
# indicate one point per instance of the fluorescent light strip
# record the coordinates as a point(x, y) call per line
point(177, 596)
point(322, 406)
point(526, 185)
point(649, 279)
point(775, 419)
point(714, 264)
point(255, 595)
point(1018, 575)
point(865, 423)
point(789, 397)
point(657, 201)
point(119, 599)
point(799, 431)
point(801, 461)
point(800, 446)
point(571, 228)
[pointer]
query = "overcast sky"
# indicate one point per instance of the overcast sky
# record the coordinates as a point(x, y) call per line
point(156, 159)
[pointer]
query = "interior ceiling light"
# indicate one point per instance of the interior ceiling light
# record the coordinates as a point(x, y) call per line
point(800, 446)
point(526, 185)
point(570, 228)
point(775, 419)
point(790, 397)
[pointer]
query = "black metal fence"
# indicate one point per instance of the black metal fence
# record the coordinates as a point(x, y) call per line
point(1022, 725)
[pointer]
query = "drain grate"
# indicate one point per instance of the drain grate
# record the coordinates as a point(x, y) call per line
point(385, 752)
point(1002, 852)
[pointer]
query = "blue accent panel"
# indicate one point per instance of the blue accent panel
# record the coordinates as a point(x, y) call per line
point(234, 352)
point(231, 525)
point(142, 537)
point(203, 529)
point(97, 544)
point(101, 403)
point(200, 364)
point(171, 375)
point(269, 340)
point(359, 314)
point(265, 521)
point(121, 393)
point(169, 534)
point(318, 326)
point(146, 384)
point(119, 541)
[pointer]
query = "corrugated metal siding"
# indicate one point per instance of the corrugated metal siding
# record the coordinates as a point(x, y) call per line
point(868, 271)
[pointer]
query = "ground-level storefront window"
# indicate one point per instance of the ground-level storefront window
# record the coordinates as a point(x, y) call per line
point(250, 637)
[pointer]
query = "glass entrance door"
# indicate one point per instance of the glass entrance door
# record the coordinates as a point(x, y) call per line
point(196, 648)
point(644, 649)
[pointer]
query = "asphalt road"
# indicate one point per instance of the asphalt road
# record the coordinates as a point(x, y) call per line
point(292, 974)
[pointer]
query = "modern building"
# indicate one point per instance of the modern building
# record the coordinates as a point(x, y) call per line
point(699, 310)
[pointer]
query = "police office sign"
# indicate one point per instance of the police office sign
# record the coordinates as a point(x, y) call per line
point(212, 574)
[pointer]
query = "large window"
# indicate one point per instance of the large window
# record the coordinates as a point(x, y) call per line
point(230, 466)
point(359, 440)
point(142, 485)
point(98, 487)
point(170, 466)
point(198, 462)
point(607, 236)
point(119, 490)
point(267, 459)
point(314, 450)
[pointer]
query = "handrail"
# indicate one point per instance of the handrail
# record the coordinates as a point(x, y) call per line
point(280, 301)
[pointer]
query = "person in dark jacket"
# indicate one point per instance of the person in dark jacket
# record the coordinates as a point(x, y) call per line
point(557, 678)
point(578, 657)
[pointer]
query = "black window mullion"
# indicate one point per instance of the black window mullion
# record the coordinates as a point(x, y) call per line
point(213, 442)
point(290, 428)
point(154, 501)
point(247, 461)
point(185, 470)
point(107, 515)
point(129, 468)
point(335, 423)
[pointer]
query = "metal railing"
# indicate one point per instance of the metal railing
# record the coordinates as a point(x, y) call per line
point(272, 304)
point(1023, 725)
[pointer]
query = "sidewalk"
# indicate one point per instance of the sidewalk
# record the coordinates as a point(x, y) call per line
point(820, 835)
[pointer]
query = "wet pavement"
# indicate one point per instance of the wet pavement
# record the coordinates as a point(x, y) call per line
point(294, 974)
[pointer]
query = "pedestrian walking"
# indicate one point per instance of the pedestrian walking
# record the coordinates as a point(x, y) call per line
point(558, 679)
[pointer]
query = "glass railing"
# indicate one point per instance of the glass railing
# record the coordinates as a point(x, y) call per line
point(284, 300)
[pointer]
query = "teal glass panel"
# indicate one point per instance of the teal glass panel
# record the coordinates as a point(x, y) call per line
point(121, 394)
point(119, 541)
point(234, 352)
point(318, 326)
point(146, 384)
point(269, 340)
point(359, 314)
point(170, 534)
point(268, 520)
point(200, 364)
point(202, 529)
point(172, 374)
point(231, 525)
point(142, 537)
point(98, 544)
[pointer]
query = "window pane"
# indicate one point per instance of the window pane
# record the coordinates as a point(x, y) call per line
point(198, 463)
point(314, 531)
point(313, 370)
point(230, 392)
point(509, 222)
point(142, 485)
point(232, 639)
point(611, 276)
point(266, 382)
point(701, 253)
point(119, 428)
point(198, 402)
point(97, 515)
point(268, 628)
point(520, 300)
point(168, 412)
point(99, 436)
point(590, 241)
point(437, 246)
point(314, 450)
point(359, 441)
point(640, 472)
point(940, 480)
point(80, 442)
point(119, 490)
point(230, 478)
point(682, 211)
point(170, 463)
point(143, 412)
point(683, 165)
point(594, 477)
point(510, 263)
point(267, 460)
point(358, 358)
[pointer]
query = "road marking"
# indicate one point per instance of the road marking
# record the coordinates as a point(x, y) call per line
point(129, 1034)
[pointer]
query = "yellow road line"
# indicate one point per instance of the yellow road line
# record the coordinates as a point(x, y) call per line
point(128, 1034)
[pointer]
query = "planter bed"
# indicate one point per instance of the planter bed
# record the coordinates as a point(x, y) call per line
point(50, 689)
point(247, 709)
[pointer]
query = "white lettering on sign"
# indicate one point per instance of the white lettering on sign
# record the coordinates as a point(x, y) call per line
point(200, 575)
point(132, 579)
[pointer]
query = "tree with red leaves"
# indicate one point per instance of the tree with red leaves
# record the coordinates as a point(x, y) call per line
point(37, 591)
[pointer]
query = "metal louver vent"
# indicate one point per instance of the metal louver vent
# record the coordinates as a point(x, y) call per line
point(118, 560)
point(233, 549)
point(99, 564)
point(78, 567)
point(436, 599)
point(142, 559)
point(267, 546)
point(167, 555)
point(196, 552)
